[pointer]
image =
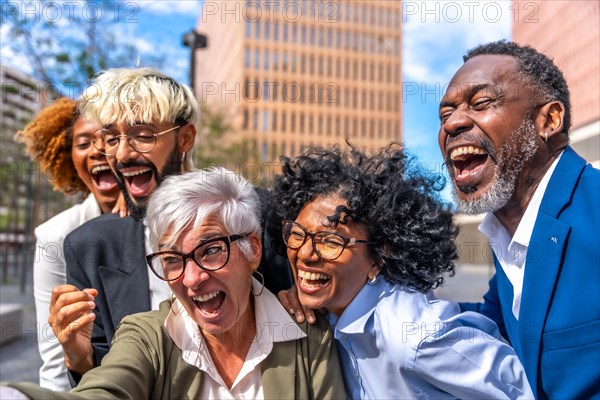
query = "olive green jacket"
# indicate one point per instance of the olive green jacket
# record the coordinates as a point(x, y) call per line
point(144, 363)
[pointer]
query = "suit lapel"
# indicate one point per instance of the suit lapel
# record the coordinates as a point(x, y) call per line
point(544, 260)
point(125, 281)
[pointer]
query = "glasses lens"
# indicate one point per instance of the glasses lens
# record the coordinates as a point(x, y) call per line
point(111, 141)
point(329, 245)
point(212, 255)
point(98, 141)
point(141, 138)
point(168, 266)
point(293, 235)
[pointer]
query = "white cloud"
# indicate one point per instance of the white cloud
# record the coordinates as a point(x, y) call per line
point(171, 7)
point(436, 34)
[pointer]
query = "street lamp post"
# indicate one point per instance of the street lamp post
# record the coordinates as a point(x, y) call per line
point(194, 41)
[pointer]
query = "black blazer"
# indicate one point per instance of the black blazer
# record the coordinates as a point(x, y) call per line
point(108, 254)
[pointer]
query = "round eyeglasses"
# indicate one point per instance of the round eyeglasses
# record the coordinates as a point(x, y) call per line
point(210, 255)
point(327, 245)
point(141, 138)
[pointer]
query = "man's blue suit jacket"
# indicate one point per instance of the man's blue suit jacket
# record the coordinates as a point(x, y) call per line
point(557, 336)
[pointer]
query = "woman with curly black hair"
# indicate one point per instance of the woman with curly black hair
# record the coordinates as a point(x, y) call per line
point(368, 239)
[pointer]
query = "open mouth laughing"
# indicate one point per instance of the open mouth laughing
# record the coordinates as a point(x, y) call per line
point(210, 304)
point(139, 180)
point(103, 178)
point(469, 164)
point(311, 282)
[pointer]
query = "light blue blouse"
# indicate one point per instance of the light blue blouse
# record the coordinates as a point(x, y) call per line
point(398, 344)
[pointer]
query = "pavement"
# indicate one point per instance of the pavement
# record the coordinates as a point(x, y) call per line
point(20, 360)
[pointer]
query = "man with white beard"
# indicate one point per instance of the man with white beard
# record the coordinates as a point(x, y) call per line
point(504, 132)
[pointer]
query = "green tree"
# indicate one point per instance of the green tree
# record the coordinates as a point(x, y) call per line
point(67, 45)
point(216, 141)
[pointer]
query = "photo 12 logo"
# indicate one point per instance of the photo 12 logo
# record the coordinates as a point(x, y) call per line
point(69, 11)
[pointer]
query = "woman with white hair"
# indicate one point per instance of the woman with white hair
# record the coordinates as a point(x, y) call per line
point(222, 335)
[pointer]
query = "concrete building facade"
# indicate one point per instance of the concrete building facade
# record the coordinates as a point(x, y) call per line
point(295, 73)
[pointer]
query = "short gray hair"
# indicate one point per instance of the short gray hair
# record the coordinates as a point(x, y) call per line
point(123, 95)
point(192, 197)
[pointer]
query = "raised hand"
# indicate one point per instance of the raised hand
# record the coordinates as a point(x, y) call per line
point(72, 320)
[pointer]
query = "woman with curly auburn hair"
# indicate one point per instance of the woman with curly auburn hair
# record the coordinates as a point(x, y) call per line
point(368, 239)
point(60, 142)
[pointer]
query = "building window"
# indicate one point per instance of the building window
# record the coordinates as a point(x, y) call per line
point(320, 124)
point(245, 119)
point(311, 39)
point(256, 58)
point(265, 120)
point(255, 120)
point(283, 121)
point(267, 30)
point(293, 122)
point(274, 122)
point(266, 60)
point(276, 30)
point(248, 29)
point(266, 91)
point(247, 61)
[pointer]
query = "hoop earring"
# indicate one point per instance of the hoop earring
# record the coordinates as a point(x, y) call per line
point(262, 279)
point(545, 140)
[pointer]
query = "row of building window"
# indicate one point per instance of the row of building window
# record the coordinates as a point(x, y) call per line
point(319, 65)
point(325, 94)
point(320, 124)
point(326, 11)
point(326, 37)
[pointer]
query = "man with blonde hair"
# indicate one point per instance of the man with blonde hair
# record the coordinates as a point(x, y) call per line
point(149, 126)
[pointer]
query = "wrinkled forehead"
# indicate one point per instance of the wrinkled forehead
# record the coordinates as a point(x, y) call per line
point(495, 72)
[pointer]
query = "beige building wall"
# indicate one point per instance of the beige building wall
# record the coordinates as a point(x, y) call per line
point(297, 73)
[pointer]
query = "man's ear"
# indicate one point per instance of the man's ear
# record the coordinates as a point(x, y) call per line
point(550, 120)
point(186, 137)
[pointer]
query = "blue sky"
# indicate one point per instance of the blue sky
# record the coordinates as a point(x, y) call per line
point(435, 36)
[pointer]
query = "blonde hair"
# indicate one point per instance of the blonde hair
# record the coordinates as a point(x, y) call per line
point(123, 95)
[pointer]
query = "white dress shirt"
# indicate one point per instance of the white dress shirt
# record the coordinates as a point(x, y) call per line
point(400, 344)
point(512, 252)
point(159, 289)
point(273, 324)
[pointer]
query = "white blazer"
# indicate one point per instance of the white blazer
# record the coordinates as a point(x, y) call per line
point(49, 270)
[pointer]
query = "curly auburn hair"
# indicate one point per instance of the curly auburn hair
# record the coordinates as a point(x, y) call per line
point(48, 139)
point(538, 69)
point(409, 228)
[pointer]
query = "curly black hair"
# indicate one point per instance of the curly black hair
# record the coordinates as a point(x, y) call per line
point(408, 227)
point(536, 68)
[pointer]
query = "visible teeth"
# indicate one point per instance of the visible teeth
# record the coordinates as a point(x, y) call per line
point(459, 151)
point(206, 297)
point(311, 275)
point(100, 168)
point(136, 172)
